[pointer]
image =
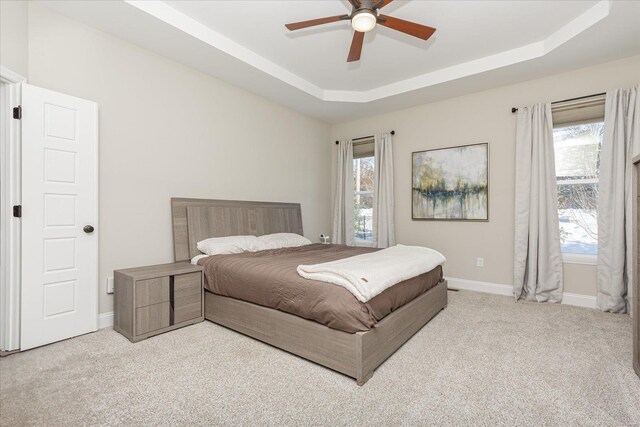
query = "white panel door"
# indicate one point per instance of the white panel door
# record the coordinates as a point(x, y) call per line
point(59, 208)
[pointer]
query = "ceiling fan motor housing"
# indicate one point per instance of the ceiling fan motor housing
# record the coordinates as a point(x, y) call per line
point(365, 5)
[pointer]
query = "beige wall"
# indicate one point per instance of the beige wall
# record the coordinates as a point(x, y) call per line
point(167, 130)
point(481, 117)
point(13, 36)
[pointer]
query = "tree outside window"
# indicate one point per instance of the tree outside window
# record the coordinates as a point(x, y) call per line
point(577, 156)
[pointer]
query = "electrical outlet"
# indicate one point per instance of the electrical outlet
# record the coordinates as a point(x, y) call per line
point(109, 285)
point(480, 262)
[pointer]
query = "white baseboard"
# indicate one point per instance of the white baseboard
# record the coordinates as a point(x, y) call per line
point(588, 301)
point(474, 285)
point(105, 320)
point(580, 300)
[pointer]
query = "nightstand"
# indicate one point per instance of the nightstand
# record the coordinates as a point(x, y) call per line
point(155, 299)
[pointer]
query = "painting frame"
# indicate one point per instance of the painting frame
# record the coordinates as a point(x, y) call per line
point(488, 168)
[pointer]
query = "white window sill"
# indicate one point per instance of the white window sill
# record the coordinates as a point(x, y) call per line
point(363, 243)
point(585, 259)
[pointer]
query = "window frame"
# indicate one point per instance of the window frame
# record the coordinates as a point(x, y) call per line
point(364, 155)
point(584, 259)
point(589, 118)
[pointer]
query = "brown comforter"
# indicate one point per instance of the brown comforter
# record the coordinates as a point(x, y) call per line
point(269, 278)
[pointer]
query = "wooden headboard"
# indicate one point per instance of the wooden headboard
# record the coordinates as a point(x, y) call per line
point(198, 219)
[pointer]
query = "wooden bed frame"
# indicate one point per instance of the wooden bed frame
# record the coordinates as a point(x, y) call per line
point(356, 355)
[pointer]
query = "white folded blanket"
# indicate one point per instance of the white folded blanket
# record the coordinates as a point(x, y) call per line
point(367, 275)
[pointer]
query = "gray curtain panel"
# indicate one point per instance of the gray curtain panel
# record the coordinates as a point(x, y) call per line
point(343, 229)
point(621, 142)
point(537, 258)
point(384, 234)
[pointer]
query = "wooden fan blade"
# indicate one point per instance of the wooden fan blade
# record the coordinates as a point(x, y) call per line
point(313, 22)
point(416, 30)
point(356, 47)
point(384, 3)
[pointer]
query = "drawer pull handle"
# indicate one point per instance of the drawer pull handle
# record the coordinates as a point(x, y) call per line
point(172, 300)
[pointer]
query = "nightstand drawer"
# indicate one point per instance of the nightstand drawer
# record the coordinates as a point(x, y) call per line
point(152, 318)
point(154, 299)
point(152, 291)
point(185, 285)
point(187, 308)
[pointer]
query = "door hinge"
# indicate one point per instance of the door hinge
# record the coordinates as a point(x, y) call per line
point(17, 211)
point(17, 112)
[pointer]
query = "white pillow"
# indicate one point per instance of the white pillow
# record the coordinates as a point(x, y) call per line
point(283, 240)
point(229, 245)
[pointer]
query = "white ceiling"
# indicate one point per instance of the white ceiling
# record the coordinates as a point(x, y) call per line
point(468, 31)
point(477, 45)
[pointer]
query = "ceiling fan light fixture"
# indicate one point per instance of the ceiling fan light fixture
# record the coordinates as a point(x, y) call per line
point(364, 21)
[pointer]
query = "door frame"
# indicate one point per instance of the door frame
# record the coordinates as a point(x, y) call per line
point(10, 241)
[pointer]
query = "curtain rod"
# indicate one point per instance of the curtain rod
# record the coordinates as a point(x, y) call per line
point(514, 109)
point(393, 132)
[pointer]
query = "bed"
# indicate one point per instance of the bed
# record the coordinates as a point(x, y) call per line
point(353, 345)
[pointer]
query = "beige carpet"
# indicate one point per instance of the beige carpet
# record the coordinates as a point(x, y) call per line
point(483, 361)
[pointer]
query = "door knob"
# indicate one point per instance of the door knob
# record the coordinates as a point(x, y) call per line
point(88, 229)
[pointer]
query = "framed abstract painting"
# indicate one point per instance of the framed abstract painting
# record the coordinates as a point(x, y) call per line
point(451, 183)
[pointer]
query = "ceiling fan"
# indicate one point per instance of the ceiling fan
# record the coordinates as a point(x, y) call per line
point(364, 17)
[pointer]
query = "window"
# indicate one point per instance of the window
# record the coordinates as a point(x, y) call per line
point(577, 156)
point(363, 168)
